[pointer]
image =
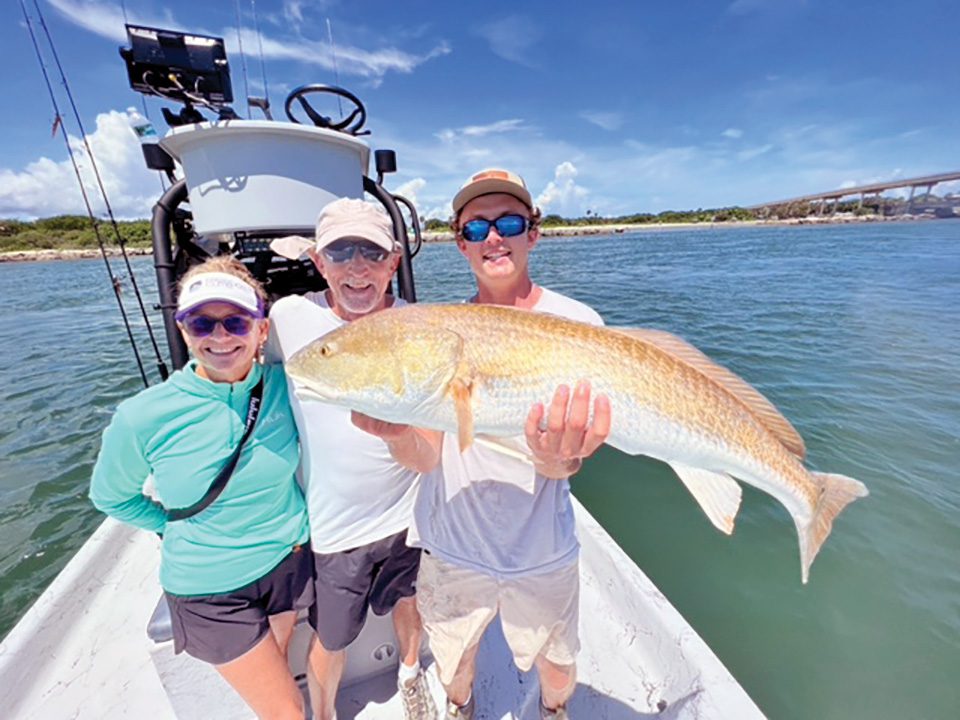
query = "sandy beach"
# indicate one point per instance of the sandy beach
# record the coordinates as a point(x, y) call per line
point(65, 254)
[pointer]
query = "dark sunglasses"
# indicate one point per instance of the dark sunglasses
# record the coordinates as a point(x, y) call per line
point(506, 225)
point(341, 251)
point(203, 325)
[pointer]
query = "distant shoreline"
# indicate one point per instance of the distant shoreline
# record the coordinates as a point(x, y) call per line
point(615, 229)
point(67, 254)
point(434, 236)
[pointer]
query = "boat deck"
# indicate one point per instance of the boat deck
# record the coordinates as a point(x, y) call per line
point(82, 650)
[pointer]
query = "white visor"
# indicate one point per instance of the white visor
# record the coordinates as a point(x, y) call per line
point(218, 287)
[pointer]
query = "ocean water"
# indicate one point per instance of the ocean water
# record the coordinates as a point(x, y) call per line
point(853, 331)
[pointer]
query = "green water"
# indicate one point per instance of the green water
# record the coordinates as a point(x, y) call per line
point(854, 332)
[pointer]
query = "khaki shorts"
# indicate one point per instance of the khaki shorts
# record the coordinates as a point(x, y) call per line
point(539, 613)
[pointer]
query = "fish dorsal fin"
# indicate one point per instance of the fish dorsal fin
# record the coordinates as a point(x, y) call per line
point(762, 409)
point(718, 494)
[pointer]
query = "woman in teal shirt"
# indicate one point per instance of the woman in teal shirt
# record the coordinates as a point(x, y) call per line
point(235, 573)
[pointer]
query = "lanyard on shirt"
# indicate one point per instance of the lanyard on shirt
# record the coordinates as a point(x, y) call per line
point(218, 485)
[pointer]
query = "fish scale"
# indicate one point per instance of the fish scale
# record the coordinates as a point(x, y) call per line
point(478, 369)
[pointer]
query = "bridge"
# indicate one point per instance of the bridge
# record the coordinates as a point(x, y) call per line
point(875, 189)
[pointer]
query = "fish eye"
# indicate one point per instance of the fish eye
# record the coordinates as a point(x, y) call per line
point(324, 350)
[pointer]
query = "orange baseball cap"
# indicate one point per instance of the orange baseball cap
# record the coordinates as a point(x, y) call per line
point(492, 180)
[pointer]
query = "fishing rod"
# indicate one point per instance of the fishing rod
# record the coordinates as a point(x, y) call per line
point(121, 242)
point(114, 281)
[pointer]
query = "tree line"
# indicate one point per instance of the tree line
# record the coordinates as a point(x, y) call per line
point(69, 232)
point(730, 214)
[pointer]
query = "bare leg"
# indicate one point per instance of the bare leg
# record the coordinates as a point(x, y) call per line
point(262, 678)
point(282, 627)
point(557, 682)
point(458, 691)
point(324, 669)
point(409, 629)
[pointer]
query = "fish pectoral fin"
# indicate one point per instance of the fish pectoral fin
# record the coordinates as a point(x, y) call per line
point(304, 392)
point(510, 447)
point(761, 408)
point(462, 392)
point(718, 494)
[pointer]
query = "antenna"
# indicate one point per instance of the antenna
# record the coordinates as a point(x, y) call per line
point(143, 98)
point(263, 68)
point(243, 58)
point(336, 73)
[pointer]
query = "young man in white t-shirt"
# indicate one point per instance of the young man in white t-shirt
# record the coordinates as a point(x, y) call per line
point(359, 473)
point(498, 532)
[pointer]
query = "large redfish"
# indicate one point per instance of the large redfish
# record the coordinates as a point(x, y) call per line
point(475, 370)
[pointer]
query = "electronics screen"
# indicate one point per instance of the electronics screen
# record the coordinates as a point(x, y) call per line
point(177, 65)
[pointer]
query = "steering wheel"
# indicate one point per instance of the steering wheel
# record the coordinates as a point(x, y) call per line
point(351, 124)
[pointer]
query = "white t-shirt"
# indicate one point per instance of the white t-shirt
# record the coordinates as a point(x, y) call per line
point(487, 511)
point(356, 492)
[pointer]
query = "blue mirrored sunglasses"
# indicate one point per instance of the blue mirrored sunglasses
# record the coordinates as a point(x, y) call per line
point(341, 251)
point(506, 225)
point(203, 325)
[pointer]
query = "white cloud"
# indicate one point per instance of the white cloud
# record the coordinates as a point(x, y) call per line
point(751, 153)
point(410, 189)
point(47, 187)
point(628, 176)
point(947, 188)
point(448, 135)
point(106, 20)
point(497, 127)
point(732, 133)
point(606, 120)
point(349, 60)
point(512, 38)
point(562, 195)
point(293, 10)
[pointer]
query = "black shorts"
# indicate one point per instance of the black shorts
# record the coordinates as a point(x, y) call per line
point(220, 628)
point(348, 583)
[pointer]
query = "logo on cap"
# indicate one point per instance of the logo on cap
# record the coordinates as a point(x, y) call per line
point(492, 174)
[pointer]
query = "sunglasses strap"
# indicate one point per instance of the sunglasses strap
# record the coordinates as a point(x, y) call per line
point(220, 483)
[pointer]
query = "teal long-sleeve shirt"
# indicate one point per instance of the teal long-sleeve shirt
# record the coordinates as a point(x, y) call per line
point(182, 432)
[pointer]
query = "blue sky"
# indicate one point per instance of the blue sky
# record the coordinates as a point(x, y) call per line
point(614, 107)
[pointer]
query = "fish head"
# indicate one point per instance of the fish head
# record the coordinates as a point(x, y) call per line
point(381, 365)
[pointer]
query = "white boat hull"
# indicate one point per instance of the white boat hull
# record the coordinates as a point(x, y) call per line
point(82, 650)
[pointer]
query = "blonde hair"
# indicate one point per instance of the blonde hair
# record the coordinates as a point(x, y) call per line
point(229, 265)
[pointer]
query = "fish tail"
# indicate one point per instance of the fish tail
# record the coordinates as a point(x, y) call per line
point(836, 492)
